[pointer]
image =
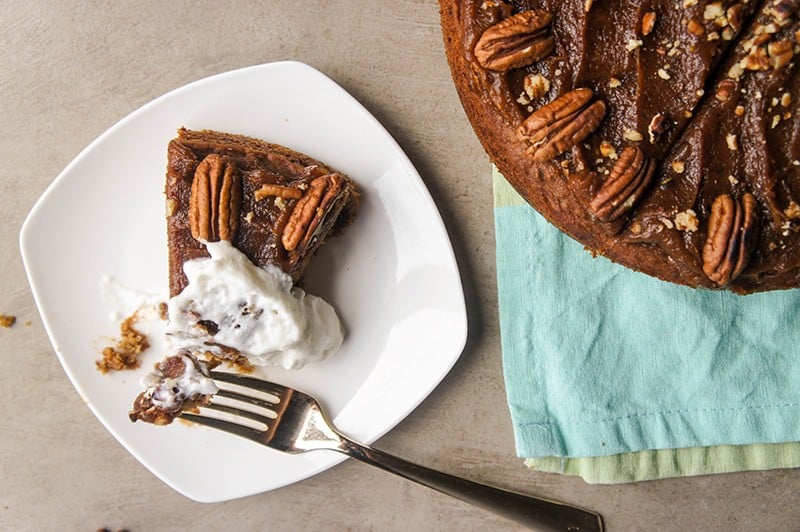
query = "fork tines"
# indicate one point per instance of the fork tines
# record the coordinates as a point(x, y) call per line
point(233, 418)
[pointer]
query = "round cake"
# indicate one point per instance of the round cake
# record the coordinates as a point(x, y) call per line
point(662, 134)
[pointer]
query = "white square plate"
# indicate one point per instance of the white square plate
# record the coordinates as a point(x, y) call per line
point(392, 276)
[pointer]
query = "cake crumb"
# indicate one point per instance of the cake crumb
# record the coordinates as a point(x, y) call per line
point(124, 355)
point(7, 321)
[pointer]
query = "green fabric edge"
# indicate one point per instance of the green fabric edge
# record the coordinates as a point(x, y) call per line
point(667, 463)
point(662, 463)
point(504, 193)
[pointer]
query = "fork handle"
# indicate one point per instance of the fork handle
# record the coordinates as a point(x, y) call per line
point(533, 512)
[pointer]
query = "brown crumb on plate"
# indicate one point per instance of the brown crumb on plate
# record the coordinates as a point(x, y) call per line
point(7, 321)
point(124, 355)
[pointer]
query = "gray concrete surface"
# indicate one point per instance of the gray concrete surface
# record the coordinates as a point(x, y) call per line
point(69, 70)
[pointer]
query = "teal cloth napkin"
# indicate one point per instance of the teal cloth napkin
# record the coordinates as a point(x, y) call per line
point(600, 360)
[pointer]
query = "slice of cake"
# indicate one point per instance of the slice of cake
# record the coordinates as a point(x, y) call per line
point(244, 218)
point(275, 205)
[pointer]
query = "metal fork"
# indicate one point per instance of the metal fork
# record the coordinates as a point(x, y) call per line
point(293, 422)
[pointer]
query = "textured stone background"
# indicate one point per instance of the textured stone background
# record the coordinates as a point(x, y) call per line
point(69, 70)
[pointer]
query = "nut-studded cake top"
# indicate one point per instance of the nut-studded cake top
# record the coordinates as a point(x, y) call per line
point(646, 130)
point(275, 205)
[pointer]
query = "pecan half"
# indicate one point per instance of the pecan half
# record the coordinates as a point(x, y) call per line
point(516, 42)
point(310, 210)
point(561, 124)
point(216, 199)
point(629, 177)
point(279, 191)
point(730, 238)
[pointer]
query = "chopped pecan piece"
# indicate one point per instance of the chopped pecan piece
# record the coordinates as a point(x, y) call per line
point(516, 42)
point(659, 125)
point(536, 86)
point(215, 200)
point(730, 238)
point(279, 191)
point(726, 89)
point(648, 22)
point(561, 124)
point(629, 177)
point(780, 53)
point(783, 9)
point(735, 17)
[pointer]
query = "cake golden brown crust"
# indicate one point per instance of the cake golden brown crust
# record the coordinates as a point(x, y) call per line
point(622, 136)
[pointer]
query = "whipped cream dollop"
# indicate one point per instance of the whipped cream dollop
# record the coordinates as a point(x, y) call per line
point(231, 302)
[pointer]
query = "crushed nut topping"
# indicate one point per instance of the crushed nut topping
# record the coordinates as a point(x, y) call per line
point(713, 11)
point(732, 142)
point(536, 86)
point(792, 211)
point(632, 135)
point(633, 44)
point(695, 28)
point(607, 150)
point(725, 90)
point(648, 22)
point(659, 125)
point(686, 221)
